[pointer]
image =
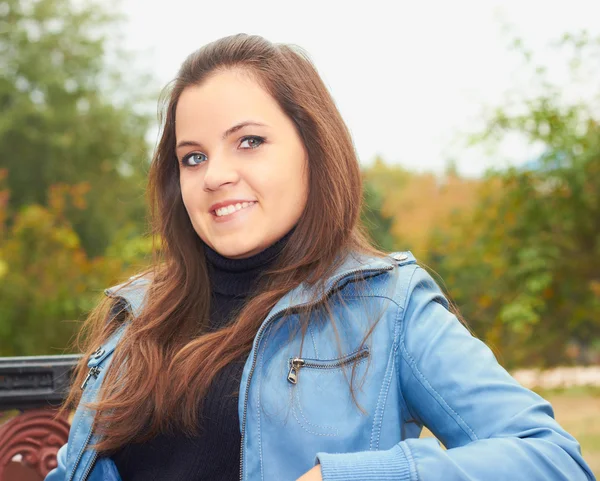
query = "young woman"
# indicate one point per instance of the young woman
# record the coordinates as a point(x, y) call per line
point(270, 341)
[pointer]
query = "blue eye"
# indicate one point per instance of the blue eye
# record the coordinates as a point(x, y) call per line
point(195, 158)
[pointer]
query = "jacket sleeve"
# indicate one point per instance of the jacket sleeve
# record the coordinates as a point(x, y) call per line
point(59, 473)
point(492, 427)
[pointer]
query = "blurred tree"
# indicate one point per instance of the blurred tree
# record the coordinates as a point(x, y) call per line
point(418, 204)
point(526, 266)
point(383, 185)
point(377, 225)
point(68, 115)
point(46, 278)
point(73, 161)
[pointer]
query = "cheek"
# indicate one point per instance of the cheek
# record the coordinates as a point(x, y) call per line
point(304, 185)
point(189, 194)
point(296, 195)
point(184, 193)
point(287, 188)
point(300, 182)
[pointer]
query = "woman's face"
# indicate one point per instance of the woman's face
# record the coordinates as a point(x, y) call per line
point(242, 165)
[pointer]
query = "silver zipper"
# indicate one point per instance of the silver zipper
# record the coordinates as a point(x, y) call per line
point(258, 337)
point(93, 372)
point(297, 363)
point(261, 331)
point(90, 466)
point(87, 441)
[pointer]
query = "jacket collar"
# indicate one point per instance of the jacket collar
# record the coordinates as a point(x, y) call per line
point(134, 290)
point(353, 265)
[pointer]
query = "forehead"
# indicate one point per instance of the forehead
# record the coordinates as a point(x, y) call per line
point(224, 99)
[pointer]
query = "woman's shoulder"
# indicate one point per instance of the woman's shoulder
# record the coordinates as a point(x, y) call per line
point(408, 280)
point(131, 293)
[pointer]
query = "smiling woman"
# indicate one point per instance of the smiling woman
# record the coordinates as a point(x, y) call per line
point(228, 161)
point(270, 340)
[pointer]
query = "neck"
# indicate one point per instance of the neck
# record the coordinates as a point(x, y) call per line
point(238, 277)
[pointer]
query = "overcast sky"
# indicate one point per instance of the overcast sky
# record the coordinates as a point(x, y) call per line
point(410, 78)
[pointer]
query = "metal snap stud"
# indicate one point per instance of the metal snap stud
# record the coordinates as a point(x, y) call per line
point(400, 257)
point(98, 353)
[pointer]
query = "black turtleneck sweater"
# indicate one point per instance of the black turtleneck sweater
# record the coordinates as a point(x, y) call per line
point(214, 453)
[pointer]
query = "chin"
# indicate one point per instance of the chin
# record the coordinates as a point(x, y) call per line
point(237, 250)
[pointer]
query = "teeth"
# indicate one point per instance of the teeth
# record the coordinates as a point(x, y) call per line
point(230, 209)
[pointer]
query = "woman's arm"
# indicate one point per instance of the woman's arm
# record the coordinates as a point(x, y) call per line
point(494, 428)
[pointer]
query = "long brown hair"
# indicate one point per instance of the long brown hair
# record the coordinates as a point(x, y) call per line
point(166, 359)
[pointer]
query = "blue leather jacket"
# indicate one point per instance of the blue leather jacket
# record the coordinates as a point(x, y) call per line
point(420, 366)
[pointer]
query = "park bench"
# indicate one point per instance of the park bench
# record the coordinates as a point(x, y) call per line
point(31, 432)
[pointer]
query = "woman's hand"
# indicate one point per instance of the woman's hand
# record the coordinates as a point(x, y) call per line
point(313, 475)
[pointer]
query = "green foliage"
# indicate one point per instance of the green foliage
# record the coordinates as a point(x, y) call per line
point(378, 225)
point(520, 254)
point(47, 278)
point(73, 160)
point(529, 276)
point(65, 117)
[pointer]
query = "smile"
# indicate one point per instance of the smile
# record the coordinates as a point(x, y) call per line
point(230, 209)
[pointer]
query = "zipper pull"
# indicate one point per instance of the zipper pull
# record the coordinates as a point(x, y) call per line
point(94, 371)
point(297, 363)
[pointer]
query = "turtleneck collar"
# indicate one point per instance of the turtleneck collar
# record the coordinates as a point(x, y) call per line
point(238, 277)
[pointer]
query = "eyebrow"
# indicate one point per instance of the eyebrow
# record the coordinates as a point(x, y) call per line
point(227, 133)
point(240, 126)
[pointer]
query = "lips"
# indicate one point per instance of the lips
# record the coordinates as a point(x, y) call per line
point(227, 219)
point(219, 205)
point(232, 208)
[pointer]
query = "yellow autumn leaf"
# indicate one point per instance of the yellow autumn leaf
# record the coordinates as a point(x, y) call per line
point(3, 268)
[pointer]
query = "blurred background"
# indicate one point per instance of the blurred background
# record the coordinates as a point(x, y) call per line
point(477, 125)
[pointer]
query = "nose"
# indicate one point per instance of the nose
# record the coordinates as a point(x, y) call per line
point(219, 171)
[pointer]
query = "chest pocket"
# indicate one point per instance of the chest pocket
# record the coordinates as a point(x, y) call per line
point(320, 392)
